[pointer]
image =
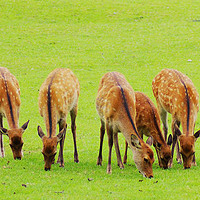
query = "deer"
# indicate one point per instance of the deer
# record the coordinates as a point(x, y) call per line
point(9, 108)
point(58, 95)
point(115, 105)
point(148, 124)
point(176, 94)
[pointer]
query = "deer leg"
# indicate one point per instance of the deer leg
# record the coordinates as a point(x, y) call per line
point(163, 116)
point(194, 161)
point(173, 143)
point(73, 114)
point(110, 144)
point(178, 157)
point(60, 160)
point(102, 132)
point(119, 159)
point(2, 154)
point(126, 151)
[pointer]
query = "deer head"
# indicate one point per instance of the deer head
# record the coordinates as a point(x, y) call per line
point(143, 156)
point(50, 147)
point(163, 152)
point(187, 143)
point(15, 139)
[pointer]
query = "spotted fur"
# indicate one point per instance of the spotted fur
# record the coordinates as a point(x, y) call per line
point(176, 94)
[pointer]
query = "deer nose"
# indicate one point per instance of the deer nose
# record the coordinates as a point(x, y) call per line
point(186, 167)
point(165, 167)
point(18, 158)
point(47, 169)
point(151, 176)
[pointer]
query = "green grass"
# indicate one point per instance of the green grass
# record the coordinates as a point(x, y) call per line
point(136, 38)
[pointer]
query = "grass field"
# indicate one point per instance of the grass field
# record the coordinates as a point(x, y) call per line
point(136, 38)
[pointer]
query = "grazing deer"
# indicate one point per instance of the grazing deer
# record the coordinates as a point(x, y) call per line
point(176, 94)
point(9, 108)
point(115, 104)
point(58, 95)
point(148, 123)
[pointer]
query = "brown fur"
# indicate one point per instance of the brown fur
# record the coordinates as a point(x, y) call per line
point(9, 108)
point(110, 105)
point(148, 123)
point(176, 94)
point(58, 95)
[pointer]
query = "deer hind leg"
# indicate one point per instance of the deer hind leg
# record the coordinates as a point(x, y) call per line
point(73, 114)
point(102, 132)
point(119, 159)
point(2, 153)
point(110, 144)
point(62, 124)
point(126, 151)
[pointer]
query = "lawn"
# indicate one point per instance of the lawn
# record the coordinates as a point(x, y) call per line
point(136, 38)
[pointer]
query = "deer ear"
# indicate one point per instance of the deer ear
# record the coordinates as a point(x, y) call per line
point(4, 131)
point(135, 141)
point(197, 134)
point(177, 131)
point(25, 125)
point(61, 134)
point(149, 141)
point(169, 141)
point(40, 132)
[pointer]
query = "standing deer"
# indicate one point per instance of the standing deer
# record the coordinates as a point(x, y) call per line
point(115, 104)
point(9, 108)
point(58, 95)
point(148, 123)
point(176, 94)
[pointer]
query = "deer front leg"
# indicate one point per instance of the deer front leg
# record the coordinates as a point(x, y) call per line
point(119, 159)
point(110, 144)
point(125, 154)
point(194, 161)
point(163, 116)
point(178, 157)
point(60, 160)
point(174, 142)
point(2, 153)
point(73, 114)
point(102, 132)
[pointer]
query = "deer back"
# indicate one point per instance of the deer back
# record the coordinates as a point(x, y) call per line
point(57, 96)
point(9, 97)
point(176, 93)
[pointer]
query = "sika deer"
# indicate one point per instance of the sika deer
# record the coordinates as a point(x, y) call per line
point(9, 108)
point(148, 123)
point(176, 94)
point(115, 104)
point(58, 95)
